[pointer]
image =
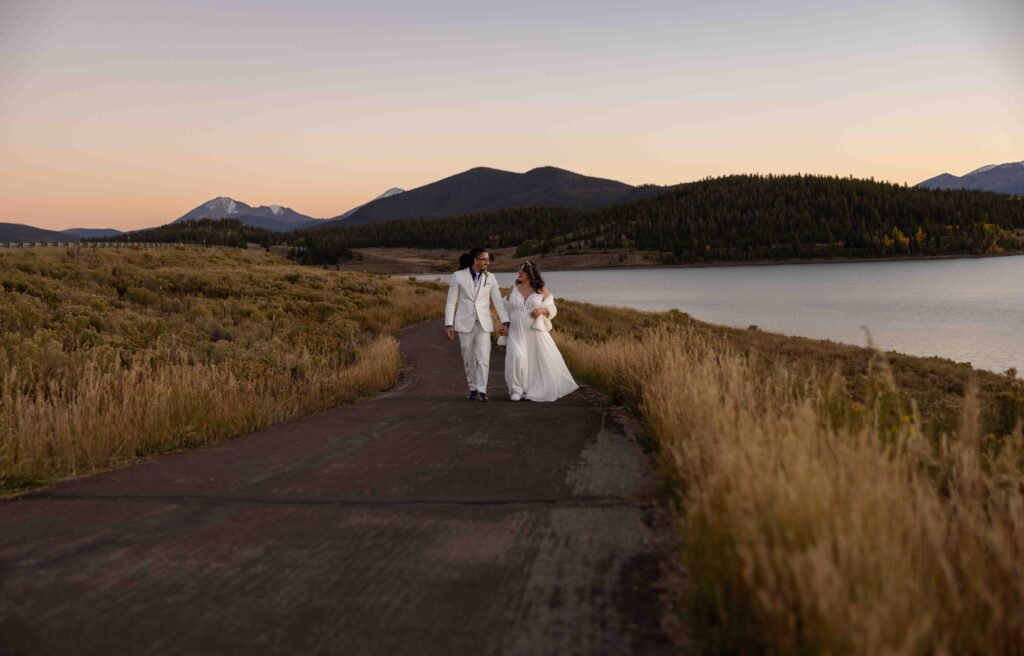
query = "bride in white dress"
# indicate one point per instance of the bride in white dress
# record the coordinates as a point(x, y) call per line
point(534, 369)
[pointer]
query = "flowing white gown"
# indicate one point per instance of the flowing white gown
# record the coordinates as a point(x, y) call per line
point(534, 368)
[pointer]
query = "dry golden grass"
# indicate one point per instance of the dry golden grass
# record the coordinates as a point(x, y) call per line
point(937, 385)
point(106, 356)
point(815, 520)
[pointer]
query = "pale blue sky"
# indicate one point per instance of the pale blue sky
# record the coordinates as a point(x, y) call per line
point(130, 113)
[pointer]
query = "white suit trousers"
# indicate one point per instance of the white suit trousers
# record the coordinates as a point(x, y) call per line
point(476, 357)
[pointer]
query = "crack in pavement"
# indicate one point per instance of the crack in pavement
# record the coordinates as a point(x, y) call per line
point(569, 502)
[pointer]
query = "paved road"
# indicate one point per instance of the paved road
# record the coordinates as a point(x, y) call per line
point(414, 523)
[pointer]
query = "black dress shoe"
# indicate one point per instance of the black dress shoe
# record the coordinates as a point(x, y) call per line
point(473, 396)
point(481, 396)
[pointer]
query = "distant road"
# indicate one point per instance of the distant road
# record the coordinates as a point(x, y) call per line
point(414, 523)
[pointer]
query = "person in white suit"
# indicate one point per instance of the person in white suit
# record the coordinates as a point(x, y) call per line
point(468, 312)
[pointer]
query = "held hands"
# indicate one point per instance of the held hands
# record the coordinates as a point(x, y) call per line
point(450, 332)
point(539, 311)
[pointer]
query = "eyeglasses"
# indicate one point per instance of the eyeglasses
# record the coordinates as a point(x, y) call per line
point(482, 259)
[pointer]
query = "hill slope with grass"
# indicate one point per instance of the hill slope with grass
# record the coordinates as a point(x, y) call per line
point(109, 355)
point(829, 499)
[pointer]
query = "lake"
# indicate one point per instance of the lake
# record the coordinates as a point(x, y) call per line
point(967, 310)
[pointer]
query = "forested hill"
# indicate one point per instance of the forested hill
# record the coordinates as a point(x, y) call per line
point(211, 232)
point(733, 218)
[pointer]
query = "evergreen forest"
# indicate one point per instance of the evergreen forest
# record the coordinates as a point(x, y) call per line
point(735, 218)
point(727, 219)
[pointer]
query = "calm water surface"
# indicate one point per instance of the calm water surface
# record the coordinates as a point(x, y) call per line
point(968, 310)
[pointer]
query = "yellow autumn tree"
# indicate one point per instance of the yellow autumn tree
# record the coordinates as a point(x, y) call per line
point(901, 239)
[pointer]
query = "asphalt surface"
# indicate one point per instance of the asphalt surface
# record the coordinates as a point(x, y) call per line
point(413, 523)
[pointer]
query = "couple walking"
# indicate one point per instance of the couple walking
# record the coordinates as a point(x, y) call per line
point(534, 369)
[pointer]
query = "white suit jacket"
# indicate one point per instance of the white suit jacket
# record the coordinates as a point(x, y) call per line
point(467, 304)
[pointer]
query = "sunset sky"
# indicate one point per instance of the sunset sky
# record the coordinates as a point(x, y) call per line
point(129, 114)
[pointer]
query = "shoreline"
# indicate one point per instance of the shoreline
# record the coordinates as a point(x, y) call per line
point(846, 260)
point(708, 265)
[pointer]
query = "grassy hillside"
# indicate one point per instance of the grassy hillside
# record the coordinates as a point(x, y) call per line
point(113, 354)
point(828, 499)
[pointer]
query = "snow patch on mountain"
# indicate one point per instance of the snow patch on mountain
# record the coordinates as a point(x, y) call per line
point(1007, 178)
point(394, 191)
point(223, 203)
point(987, 167)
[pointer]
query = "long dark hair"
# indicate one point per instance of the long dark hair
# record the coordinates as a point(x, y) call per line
point(533, 273)
point(466, 259)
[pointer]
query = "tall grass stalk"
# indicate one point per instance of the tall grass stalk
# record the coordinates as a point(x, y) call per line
point(813, 523)
point(165, 399)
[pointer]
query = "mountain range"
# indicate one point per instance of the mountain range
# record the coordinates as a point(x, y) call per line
point(480, 190)
point(268, 217)
point(998, 178)
point(485, 189)
point(18, 232)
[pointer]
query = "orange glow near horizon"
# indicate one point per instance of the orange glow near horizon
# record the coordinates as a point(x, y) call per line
point(126, 117)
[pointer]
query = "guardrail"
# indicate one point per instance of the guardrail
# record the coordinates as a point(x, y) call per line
point(283, 251)
point(94, 244)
